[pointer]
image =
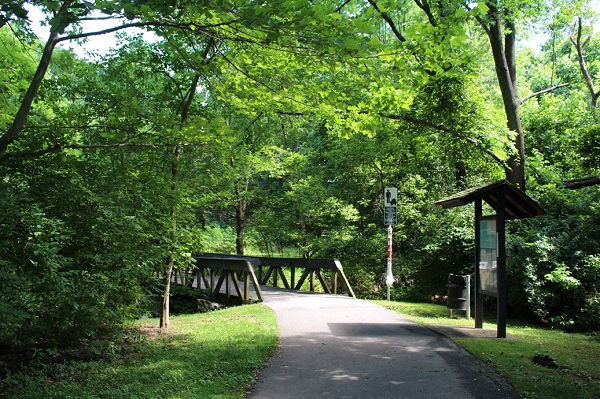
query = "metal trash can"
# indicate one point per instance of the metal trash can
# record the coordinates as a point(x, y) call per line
point(457, 292)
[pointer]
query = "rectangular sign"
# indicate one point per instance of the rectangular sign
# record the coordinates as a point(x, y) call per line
point(390, 216)
point(390, 202)
point(488, 254)
point(390, 196)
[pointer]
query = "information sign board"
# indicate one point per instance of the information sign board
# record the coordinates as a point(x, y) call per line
point(488, 255)
point(390, 201)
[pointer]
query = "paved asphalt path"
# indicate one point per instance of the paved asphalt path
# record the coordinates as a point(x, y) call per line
point(340, 347)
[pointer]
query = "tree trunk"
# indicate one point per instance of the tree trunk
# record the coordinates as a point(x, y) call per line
point(241, 209)
point(164, 311)
point(503, 50)
point(240, 224)
point(587, 77)
point(165, 322)
point(21, 117)
point(240, 188)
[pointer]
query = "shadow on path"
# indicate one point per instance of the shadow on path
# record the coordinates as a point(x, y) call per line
point(341, 347)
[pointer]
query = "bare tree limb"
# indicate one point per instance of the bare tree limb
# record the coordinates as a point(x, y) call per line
point(579, 46)
point(424, 5)
point(389, 21)
point(539, 93)
point(185, 26)
point(339, 8)
point(256, 80)
point(441, 127)
point(574, 184)
point(19, 121)
point(61, 147)
point(436, 126)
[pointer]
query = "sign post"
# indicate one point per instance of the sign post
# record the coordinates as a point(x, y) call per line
point(390, 218)
point(389, 277)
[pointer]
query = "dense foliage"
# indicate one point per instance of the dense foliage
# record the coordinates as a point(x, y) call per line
point(274, 128)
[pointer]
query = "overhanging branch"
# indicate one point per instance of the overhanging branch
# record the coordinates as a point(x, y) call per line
point(185, 26)
point(445, 129)
point(574, 184)
point(388, 20)
point(579, 46)
point(61, 147)
point(539, 93)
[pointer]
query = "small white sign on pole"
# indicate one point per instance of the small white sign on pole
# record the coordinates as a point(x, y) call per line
point(390, 196)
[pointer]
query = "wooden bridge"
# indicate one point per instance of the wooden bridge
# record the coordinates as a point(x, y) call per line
point(239, 276)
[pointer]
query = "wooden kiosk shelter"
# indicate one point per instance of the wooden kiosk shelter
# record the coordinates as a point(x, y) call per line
point(490, 240)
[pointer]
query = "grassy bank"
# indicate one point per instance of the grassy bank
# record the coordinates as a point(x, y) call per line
point(217, 355)
point(212, 355)
point(577, 374)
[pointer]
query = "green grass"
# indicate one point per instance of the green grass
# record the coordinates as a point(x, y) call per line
point(217, 355)
point(577, 355)
point(212, 355)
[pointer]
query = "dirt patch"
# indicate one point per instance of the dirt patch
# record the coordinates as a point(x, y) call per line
point(151, 331)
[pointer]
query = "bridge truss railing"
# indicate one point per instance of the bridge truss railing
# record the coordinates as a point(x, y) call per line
point(219, 272)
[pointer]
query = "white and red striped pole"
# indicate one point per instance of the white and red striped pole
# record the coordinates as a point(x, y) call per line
point(389, 278)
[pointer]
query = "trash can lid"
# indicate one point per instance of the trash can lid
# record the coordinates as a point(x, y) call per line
point(457, 279)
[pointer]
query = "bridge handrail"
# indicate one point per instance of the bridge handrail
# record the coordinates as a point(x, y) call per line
point(311, 266)
point(311, 263)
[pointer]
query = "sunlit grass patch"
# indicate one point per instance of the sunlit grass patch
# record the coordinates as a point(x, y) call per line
point(209, 355)
point(577, 374)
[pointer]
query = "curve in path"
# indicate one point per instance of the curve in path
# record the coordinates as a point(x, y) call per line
point(340, 347)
